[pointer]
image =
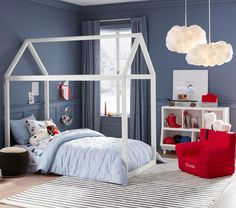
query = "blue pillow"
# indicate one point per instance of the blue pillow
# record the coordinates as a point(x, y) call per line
point(20, 131)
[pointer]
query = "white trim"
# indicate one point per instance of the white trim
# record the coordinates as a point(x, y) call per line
point(37, 59)
point(81, 38)
point(17, 58)
point(142, 169)
point(7, 112)
point(138, 41)
point(86, 77)
point(131, 56)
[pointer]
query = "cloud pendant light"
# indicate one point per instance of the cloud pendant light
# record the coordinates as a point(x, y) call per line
point(210, 54)
point(182, 39)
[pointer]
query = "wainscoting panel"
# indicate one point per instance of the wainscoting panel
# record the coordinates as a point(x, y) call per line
point(111, 126)
point(56, 110)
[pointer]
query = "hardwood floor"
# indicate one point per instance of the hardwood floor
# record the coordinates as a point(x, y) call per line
point(11, 186)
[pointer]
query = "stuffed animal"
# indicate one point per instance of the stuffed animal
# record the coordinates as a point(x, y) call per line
point(39, 136)
point(53, 130)
point(214, 124)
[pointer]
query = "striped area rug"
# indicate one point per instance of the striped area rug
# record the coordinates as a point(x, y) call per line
point(162, 186)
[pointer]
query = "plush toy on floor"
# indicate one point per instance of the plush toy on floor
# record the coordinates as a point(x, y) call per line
point(213, 124)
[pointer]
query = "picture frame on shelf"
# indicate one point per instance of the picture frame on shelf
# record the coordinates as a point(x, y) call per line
point(191, 83)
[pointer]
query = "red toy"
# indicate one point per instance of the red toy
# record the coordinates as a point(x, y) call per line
point(213, 156)
point(169, 140)
point(210, 98)
point(171, 120)
point(53, 130)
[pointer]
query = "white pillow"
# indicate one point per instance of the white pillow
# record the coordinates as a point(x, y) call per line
point(35, 126)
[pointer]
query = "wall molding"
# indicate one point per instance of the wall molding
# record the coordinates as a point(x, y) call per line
point(40, 105)
point(147, 5)
point(58, 4)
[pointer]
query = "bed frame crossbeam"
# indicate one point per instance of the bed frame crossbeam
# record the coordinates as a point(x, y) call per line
point(123, 77)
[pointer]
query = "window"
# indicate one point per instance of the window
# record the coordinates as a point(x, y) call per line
point(114, 54)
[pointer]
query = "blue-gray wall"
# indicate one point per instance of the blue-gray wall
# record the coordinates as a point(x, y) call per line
point(22, 19)
point(162, 15)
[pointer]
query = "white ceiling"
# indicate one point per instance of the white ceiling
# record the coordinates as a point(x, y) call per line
point(98, 2)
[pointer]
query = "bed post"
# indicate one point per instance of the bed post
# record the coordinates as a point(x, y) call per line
point(153, 116)
point(7, 112)
point(153, 94)
point(124, 124)
point(46, 100)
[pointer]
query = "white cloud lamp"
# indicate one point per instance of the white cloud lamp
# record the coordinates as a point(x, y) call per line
point(210, 54)
point(182, 39)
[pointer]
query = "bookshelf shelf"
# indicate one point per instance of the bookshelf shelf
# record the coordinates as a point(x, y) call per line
point(222, 113)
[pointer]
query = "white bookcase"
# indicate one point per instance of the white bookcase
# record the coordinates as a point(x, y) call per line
point(222, 113)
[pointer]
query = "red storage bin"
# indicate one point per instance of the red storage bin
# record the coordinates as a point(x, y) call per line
point(213, 156)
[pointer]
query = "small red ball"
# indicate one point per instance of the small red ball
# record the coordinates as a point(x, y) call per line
point(169, 140)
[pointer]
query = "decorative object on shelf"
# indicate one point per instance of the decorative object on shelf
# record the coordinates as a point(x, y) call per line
point(169, 140)
point(210, 100)
point(213, 124)
point(182, 97)
point(192, 103)
point(109, 114)
point(182, 39)
point(171, 120)
point(187, 120)
point(194, 122)
point(210, 54)
point(193, 83)
point(64, 90)
point(67, 117)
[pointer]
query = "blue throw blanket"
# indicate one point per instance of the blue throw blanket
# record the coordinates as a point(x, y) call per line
point(89, 154)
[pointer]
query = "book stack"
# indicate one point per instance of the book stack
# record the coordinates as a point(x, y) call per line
point(189, 121)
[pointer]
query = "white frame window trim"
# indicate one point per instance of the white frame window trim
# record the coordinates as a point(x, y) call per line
point(118, 84)
point(123, 76)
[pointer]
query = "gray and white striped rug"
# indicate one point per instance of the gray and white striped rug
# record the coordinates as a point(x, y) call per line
point(162, 186)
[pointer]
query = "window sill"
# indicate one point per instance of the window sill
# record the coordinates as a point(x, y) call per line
point(115, 116)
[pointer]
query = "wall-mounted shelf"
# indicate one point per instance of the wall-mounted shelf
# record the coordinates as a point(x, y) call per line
point(222, 113)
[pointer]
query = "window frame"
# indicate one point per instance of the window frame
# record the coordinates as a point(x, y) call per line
point(117, 28)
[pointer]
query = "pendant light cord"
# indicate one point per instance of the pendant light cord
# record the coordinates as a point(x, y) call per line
point(186, 13)
point(209, 13)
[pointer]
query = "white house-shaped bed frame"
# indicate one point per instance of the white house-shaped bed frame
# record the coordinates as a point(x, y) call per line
point(46, 78)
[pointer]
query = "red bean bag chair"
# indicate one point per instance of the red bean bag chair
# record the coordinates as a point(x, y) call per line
point(213, 156)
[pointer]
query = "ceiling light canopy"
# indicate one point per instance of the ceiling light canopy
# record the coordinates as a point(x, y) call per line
point(182, 39)
point(210, 54)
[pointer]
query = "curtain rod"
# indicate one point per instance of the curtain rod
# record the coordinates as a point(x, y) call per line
point(114, 20)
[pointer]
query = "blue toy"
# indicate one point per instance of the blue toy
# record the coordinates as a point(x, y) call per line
point(185, 139)
point(177, 138)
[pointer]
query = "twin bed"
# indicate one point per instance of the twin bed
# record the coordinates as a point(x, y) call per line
point(87, 154)
point(83, 152)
